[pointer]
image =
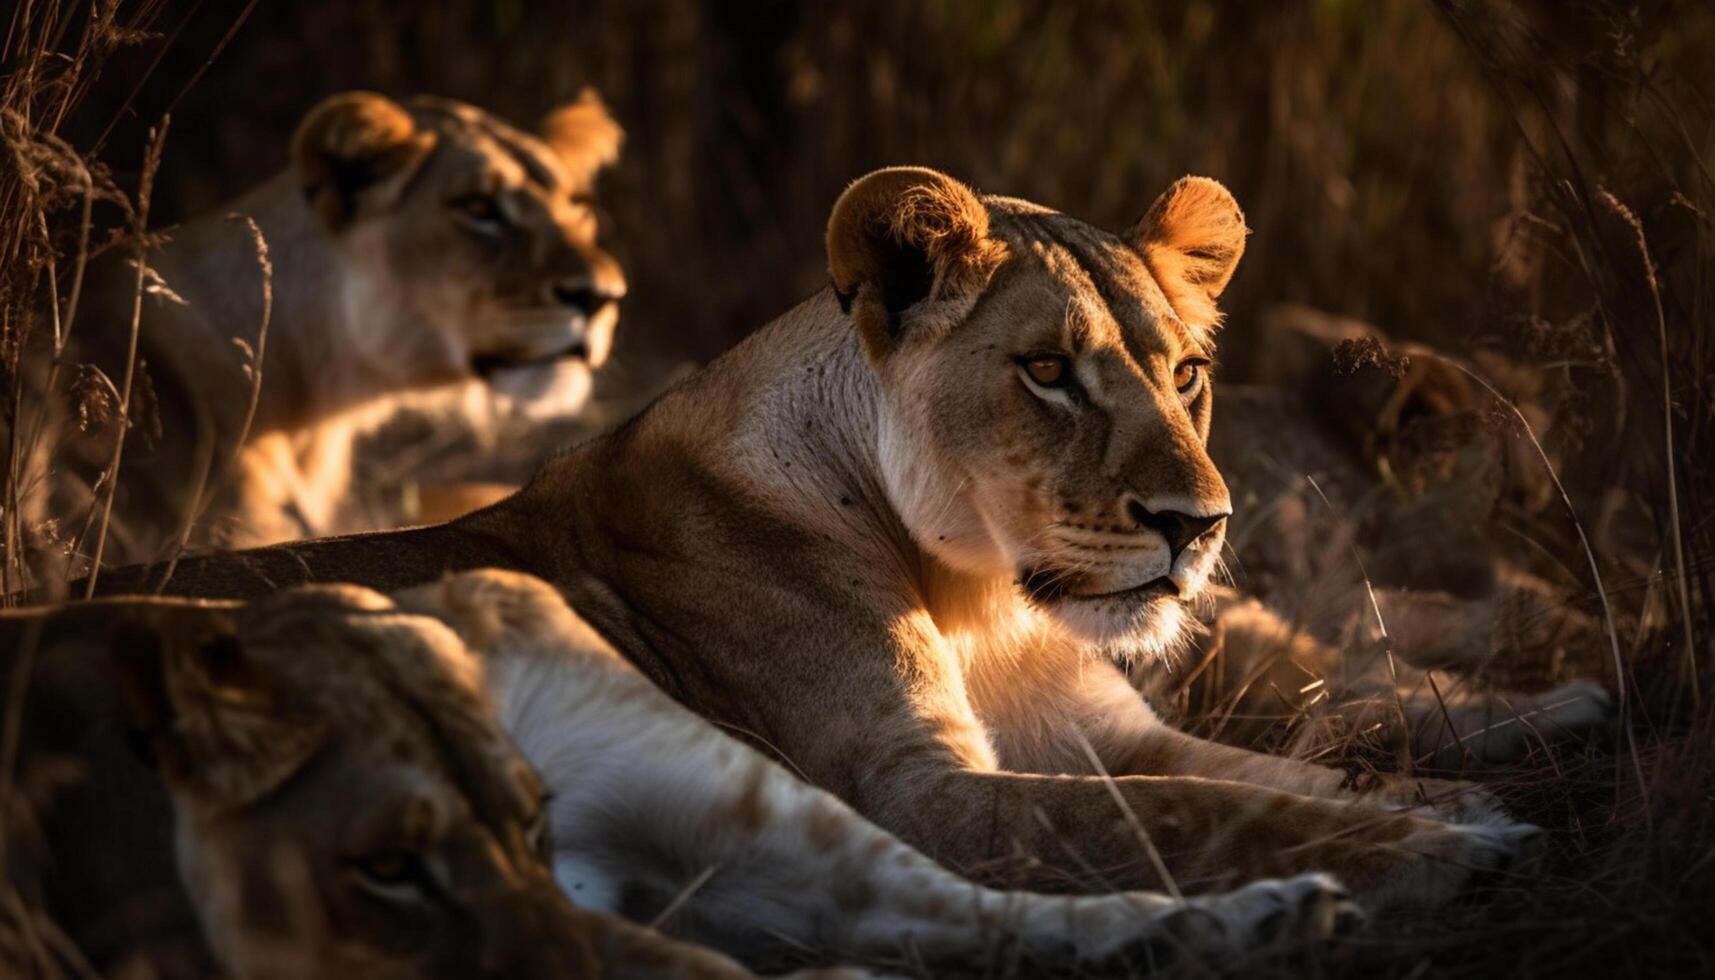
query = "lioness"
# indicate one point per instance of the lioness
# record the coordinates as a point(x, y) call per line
point(658, 816)
point(313, 785)
point(412, 245)
point(904, 535)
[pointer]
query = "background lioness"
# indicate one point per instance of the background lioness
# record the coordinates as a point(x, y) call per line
point(408, 246)
point(903, 536)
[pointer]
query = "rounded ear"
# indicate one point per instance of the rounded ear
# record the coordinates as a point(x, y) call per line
point(583, 136)
point(355, 151)
point(1192, 239)
point(903, 235)
point(201, 711)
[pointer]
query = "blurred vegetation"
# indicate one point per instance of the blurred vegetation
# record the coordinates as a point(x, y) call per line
point(1379, 160)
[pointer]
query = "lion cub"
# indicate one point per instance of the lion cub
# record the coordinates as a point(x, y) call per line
point(326, 794)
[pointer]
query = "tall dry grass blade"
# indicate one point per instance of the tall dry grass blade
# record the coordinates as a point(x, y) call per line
point(1683, 591)
point(199, 503)
point(685, 894)
point(24, 449)
point(140, 229)
point(1402, 751)
point(1148, 844)
point(1622, 716)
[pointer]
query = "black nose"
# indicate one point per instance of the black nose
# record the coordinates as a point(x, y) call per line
point(1178, 529)
point(581, 296)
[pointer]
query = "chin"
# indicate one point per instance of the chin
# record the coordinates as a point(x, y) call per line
point(539, 392)
point(1147, 623)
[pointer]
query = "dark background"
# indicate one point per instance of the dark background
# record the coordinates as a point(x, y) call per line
point(1391, 155)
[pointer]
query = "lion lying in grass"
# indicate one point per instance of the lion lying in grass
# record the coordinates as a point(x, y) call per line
point(410, 246)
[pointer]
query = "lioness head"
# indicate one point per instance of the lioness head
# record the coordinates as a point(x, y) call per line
point(1047, 389)
point(346, 804)
point(483, 232)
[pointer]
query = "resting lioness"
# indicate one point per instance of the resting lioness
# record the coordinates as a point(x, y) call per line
point(311, 786)
point(902, 536)
point(411, 246)
point(657, 815)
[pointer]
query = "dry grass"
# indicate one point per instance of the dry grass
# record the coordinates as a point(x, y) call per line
point(1534, 180)
point(48, 194)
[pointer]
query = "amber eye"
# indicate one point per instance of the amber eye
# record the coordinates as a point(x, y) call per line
point(479, 212)
point(388, 868)
point(1188, 373)
point(1048, 370)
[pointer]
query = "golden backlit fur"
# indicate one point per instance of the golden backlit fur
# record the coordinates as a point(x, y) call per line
point(1193, 238)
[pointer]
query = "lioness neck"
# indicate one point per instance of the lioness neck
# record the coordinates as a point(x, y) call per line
point(318, 362)
point(781, 436)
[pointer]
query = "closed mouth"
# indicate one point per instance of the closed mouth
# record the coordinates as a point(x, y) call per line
point(1045, 587)
point(485, 365)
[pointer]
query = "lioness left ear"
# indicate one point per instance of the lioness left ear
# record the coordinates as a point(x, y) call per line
point(583, 136)
point(1192, 239)
point(200, 711)
point(355, 151)
point(903, 236)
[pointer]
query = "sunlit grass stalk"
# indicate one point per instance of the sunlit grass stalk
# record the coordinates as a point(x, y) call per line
point(140, 231)
point(199, 499)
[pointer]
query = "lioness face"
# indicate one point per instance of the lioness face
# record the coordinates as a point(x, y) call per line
point(1047, 395)
point(484, 232)
point(346, 803)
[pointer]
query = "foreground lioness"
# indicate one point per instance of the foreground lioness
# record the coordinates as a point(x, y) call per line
point(657, 815)
point(901, 536)
point(411, 245)
point(311, 786)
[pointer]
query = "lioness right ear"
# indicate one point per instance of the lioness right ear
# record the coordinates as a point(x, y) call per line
point(1192, 239)
point(583, 136)
point(354, 151)
point(903, 236)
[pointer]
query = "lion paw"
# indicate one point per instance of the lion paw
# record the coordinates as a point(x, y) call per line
point(1444, 860)
point(1223, 928)
point(1570, 711)
point(1499, 730)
